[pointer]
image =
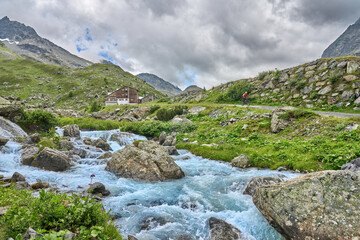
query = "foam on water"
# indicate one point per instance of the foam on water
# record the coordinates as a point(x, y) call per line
point(162, 210)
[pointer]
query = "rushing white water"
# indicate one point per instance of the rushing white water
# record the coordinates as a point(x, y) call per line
point(162, 210)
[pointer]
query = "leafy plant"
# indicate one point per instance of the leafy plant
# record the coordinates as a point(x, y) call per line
point(55, 215)
point(38, 120)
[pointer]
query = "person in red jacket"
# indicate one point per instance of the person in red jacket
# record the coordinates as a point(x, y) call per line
point(245, 98)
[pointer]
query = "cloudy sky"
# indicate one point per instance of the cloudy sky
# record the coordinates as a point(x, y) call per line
point(203, 42)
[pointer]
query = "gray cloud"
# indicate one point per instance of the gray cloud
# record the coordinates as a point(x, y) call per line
point(206, 42)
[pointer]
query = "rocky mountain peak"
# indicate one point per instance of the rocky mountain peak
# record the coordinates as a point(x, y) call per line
point(357, 22)
point(24, 41)
point(348, 44)
point(5, 19)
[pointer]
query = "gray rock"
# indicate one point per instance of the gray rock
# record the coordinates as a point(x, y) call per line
point(28, 154)
point(341, 87)
point(347, 95)
point(322, 205)
point(308, 89)
point(325, 90)
point(181, 120)
point(102, 144)
point(35, 138)
point(162, 138)
point(39, 185)
point(52, 160)
point(17, 177)
point(357, 101)
point(342, 64)
point(3, 211)
point(12, 112)
point(352, 67)
point(10, 130)
point(168, 141)
point(340, 104)
point(31, 234)
point(260, 181)
point(65, 144)
point(97, 188)
point(148, 161)
point(196, 110)
point(3, 141)
point(221, 230)
point(171, 150)
point(278, 124)
point(351, 127)
point(71, 131)
point(130, 237)
point(241, 161)
point(354, 165)
point(185, 237)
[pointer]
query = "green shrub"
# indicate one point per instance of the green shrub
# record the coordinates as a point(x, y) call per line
point(54, 214)
point(163, 100)
point(297, 114)
point(154, 108)
point(38, 120)
point(276, 76)
point(95, 107)
point(236, 91)
point(292, 82)
point(90, 123)
point(300, 85)
point(334, 78)
point(155, 128)
point(71, 94)
point(164, 114)
point(262, 75)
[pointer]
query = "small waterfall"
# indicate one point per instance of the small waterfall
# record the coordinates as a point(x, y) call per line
point(10, 130)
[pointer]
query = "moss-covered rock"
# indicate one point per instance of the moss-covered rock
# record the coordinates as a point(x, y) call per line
point(322, 205)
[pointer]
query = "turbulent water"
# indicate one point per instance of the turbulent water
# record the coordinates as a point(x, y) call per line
point(162, 210)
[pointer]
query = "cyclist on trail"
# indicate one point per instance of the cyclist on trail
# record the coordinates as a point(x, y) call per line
point(245, 98)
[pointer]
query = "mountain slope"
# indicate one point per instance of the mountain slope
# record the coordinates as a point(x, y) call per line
point(46, 85)
point(24, 41)
point(325, 83)
point(159, 83)
point(348, 44)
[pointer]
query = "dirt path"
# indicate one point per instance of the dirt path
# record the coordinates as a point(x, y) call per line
point(334, 114)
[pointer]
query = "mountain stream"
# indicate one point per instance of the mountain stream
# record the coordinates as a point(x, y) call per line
point(162, 210)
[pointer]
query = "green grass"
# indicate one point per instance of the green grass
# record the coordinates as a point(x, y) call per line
point(26, 78)
point(54, 215)
point(90, 123)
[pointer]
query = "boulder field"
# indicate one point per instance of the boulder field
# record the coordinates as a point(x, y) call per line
point(321, 205)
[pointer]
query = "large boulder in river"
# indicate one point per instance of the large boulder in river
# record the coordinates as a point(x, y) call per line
point(147, 161)
point(10, 130)
point(71, 131)
point(52, 160)
point(322, 205)
point(260, 181)
point(28, 154)
point(101, 143)
point(221, 230)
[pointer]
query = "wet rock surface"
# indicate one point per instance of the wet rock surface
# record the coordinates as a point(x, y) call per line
point(322, 205)
point(221, 230)
point(52, 160)
point(71, 131)
point(148, 161)
point(260, 181)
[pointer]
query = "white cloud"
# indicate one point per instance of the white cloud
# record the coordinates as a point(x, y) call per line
point(211, 41)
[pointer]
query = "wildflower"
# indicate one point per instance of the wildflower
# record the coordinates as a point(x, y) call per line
point(40, 215)
point(69, 218)
point(91, 178)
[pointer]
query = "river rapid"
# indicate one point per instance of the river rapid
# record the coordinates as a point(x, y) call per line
point(162, 210)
